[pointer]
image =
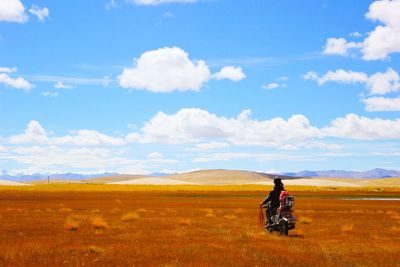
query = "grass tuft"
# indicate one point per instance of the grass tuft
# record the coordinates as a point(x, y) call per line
point(141, 211)
point(130, 216)
point(305, 220)
point(347, 227)
point(95, 250)
point(99, 223)
point(72, 223)
point(185, 222)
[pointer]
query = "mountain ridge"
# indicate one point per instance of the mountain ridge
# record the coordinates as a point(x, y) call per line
point(377, 173)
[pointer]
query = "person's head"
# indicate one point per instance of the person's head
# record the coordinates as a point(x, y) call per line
point(278, 182)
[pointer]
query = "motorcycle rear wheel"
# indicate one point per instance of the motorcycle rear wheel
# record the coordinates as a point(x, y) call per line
point(283, 228)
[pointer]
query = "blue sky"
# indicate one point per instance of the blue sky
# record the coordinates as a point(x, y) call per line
point(145, 86)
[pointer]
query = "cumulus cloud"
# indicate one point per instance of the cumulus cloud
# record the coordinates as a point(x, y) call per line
point(36, 134)
point(12, 11)
point(373, 47)
point(339, 46)
point(40, 13)
point(165, 70)
point(17, 83)
point(90, 151)
point(197, 125)
point(381, 104)
point(211, 145)
point(159, 2)
point(379, 83)
point(8, 70)
point(231, 73)
point(353, 126)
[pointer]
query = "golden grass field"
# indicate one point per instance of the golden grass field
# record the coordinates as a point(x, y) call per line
point(104, 225)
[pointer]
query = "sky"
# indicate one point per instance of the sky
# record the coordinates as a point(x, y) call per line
point(144, 86)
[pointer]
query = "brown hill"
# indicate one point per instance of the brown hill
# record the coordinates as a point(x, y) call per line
point(213, 177)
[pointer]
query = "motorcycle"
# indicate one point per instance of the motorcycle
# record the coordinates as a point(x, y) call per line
point(283, 220)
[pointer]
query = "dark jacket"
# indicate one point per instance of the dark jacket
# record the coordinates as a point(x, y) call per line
point(273, 197)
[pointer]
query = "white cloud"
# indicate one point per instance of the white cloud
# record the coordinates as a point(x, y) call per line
point(17, 83)
point(282, 78)
point(379, 83)
point(168, 15)
point(382, 104)
point(105, 81)
point(197, 125)
point(231, 73)
point(155, 155)
point(211, 145)
point(271, 86)
point(111, 4)
point(255, 156)
point(165, 70)
point(339, 46)
point(274, 85)
point(380, 42)
point(49, 94)
point(340, 76)
point(353, 126)
point(8, 70)
point(159, 2)
point(355, 34)
point(384, 82)
point(61, 85)
point(386, 12)
point(40, 13)
point(12, 11)
point(36, 134)
point(59, 159)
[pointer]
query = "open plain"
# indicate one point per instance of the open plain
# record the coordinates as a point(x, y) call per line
point(137, 225)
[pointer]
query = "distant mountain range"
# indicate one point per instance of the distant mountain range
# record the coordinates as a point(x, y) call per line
point(375, 173)
point(57, 176)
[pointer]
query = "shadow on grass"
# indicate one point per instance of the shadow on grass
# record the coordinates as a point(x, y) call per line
point(296, 236)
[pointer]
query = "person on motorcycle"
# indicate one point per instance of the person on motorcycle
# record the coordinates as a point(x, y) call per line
point(273, 197)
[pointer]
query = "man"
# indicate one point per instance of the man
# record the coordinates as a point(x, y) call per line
point(274, 198)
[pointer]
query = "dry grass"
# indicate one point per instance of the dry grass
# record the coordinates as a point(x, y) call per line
point(347, 227)
point(65, 210)
point(230, 217)
point(98, 222)
point(72, 223)
point(142, 211)
point(130, 216)
point(96, 250)
point(393, 214)
point(185, 222)
point(304, 220)
point(32, 231)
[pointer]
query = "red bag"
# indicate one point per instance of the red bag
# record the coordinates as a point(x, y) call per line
point(282, 197)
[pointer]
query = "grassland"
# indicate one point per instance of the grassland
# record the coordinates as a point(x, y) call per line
point(103, 225)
